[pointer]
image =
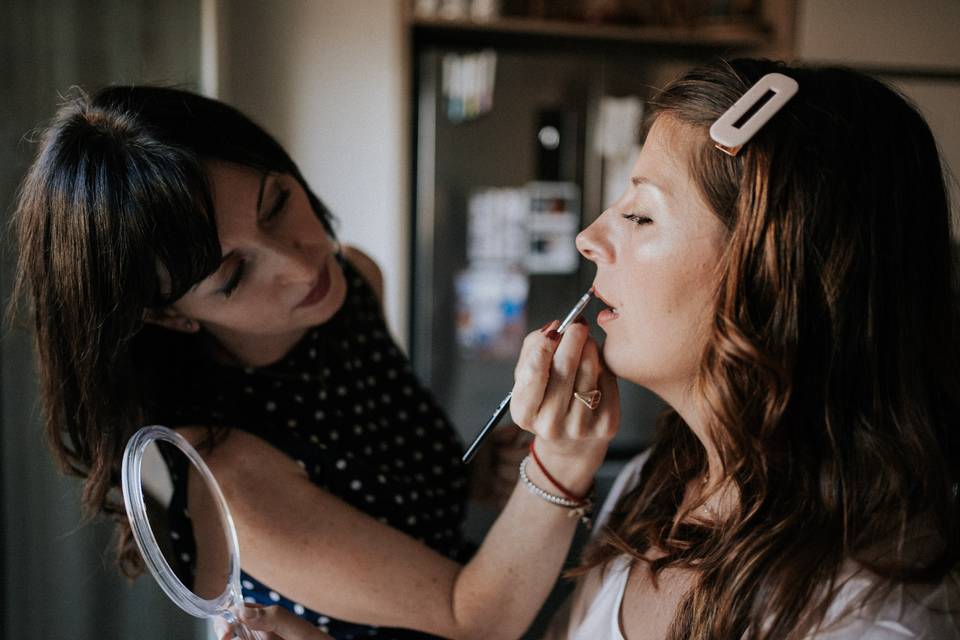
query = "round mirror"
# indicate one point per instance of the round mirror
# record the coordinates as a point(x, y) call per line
point(182, 525)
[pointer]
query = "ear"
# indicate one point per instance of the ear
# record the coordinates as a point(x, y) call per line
point(169, 318)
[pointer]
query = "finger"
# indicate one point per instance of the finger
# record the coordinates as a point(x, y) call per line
point(280, 621)
point(581, 420)
point(563, 372)
point(531, 376)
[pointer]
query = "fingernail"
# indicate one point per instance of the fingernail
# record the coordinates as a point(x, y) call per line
point(250, 613)
point(553, 335)
point(546, 326)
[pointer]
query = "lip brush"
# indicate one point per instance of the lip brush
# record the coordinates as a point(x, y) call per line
point(505, 403)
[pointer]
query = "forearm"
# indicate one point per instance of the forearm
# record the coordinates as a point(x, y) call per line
point(500, 591)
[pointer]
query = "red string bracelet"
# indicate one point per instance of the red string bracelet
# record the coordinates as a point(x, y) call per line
point(569, 495)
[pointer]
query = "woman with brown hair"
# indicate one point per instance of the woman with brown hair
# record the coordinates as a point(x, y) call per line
point(793, 302)
point(180, 271)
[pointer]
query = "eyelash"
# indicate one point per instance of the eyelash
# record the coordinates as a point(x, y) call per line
point(234, 281)
point(278, 205)
point(637, 218)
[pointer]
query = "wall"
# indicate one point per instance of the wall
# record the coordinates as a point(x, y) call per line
point(327, 79)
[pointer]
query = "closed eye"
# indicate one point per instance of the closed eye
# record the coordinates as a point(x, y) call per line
point(277, 207)
point(231, 284)
point(637, 218)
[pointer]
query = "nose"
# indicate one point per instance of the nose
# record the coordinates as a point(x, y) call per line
point(295, 261)
point(592, 243)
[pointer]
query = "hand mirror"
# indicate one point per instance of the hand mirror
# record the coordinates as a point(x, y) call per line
point(194, 558)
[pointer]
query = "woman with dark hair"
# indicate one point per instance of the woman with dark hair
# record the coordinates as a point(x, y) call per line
point(181, 272)
point(793, 302)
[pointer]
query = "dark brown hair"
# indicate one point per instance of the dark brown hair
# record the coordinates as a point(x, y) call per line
point(831, 371)
point(115, 217)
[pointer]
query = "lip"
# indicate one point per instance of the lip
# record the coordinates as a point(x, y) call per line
point(608, 314)
point(319, 290)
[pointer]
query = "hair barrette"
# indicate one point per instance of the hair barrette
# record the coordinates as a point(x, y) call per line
point(754, 109)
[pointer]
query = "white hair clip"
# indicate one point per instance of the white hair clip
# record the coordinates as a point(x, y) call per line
point(741, 122)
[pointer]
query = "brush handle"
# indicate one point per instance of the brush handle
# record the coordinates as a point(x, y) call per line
point(487, 428)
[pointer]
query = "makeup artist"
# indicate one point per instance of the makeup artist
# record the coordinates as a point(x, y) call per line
point(180, 271)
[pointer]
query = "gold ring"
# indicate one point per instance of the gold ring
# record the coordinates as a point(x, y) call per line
point(590, 399)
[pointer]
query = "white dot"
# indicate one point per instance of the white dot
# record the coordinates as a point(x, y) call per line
point(357, 429)
point(417, 456)
point(324, 628)
point(298, 609)
point(322, 395)
point(250, 600)
point(298, 398)
point(422, 407)
point(312, 353)
point(271, 406)
point(437, 470)
point(369, 498)
point(323, 620)
point(392, 373)
point(358, 409)
point(356, 485)
point(407, 391)
point(174, 535)
point(382, 479)
point(274, 596)
point(411, 520)
point(385, 398)
point(399, 440)
point(341, 464)
point(248, 390)
point(185, 557)
point(420, 431)
point(375, 356)
point(247, 584)
point(341, 391)
point(305, 376)
point(398, 499)
point(334, 435)
point(292, 423)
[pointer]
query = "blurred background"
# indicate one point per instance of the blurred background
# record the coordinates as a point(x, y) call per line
point(461, 143)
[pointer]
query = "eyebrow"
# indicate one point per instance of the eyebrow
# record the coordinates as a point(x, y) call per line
point(637, 181)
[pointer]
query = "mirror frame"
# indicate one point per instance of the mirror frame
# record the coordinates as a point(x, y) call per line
point(136, 507)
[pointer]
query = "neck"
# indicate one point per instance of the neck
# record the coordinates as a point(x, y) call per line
point(252, 351)
point(690, 406)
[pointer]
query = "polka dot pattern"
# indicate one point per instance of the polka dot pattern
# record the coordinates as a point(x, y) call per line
point(344, 404)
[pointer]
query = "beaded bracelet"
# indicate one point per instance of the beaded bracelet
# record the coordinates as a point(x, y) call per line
point(578, 508)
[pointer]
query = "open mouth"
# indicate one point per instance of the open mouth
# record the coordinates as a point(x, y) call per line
point(319, 290)
point(608, 314)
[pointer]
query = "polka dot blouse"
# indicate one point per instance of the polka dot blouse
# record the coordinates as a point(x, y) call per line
point(344, 404)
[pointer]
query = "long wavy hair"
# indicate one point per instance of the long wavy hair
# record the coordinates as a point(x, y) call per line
point(115, 217)
point(831, 369)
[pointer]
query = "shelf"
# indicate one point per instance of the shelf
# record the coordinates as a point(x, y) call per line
point(717, 35)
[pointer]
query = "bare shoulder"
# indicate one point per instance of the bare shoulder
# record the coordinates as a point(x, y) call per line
point(241, 458)
point(368, 268)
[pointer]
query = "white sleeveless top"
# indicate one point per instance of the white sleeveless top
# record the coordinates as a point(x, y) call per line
point(925, 613)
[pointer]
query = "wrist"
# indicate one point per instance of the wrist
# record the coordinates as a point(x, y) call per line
point(565, 469)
